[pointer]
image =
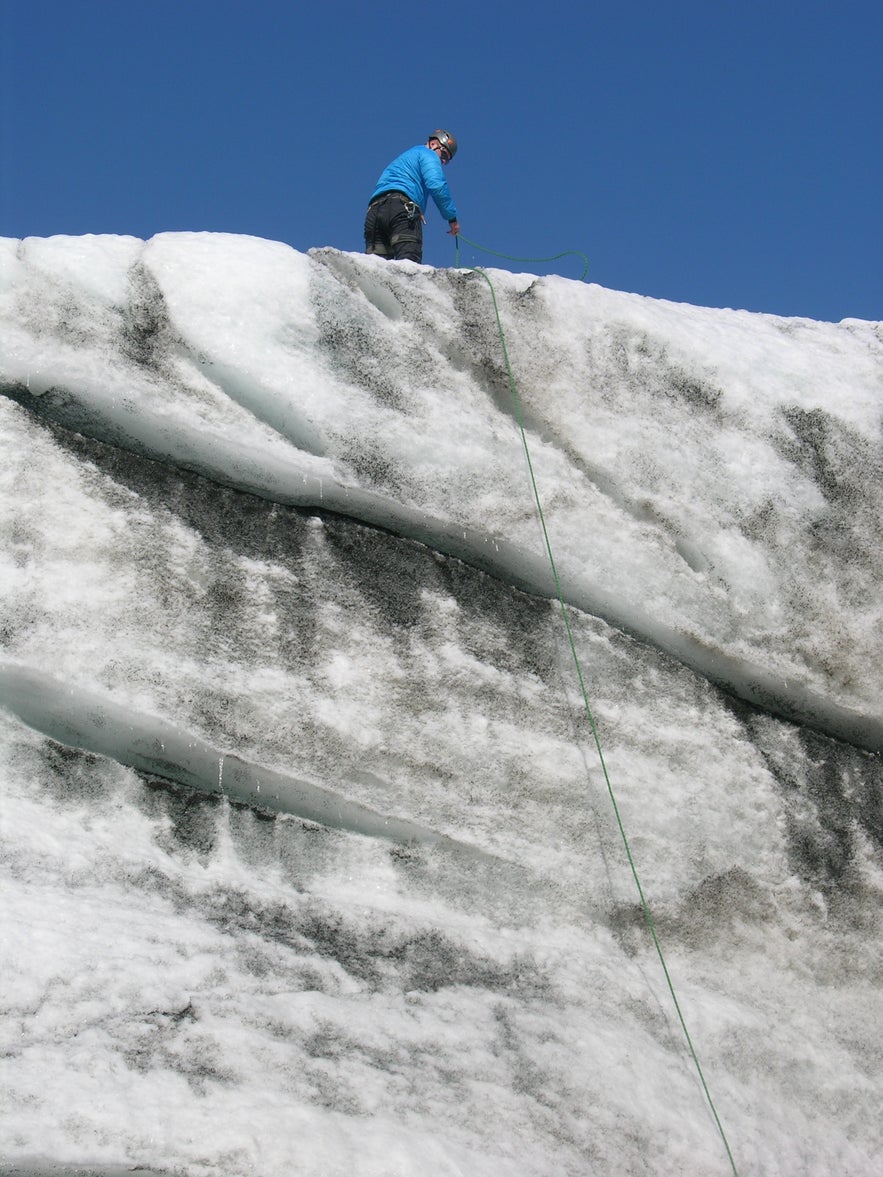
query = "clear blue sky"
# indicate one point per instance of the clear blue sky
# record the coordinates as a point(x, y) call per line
point(717, 152)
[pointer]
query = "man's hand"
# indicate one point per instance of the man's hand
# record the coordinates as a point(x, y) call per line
point(454, 229)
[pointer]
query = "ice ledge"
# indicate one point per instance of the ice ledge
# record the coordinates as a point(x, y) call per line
point(149, 744)
point(38, 1167)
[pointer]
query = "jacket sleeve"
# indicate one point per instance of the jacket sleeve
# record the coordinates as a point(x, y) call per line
point(436, 185)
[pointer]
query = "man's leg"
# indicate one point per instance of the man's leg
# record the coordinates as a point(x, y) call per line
point(406, 233)
point(376, 239)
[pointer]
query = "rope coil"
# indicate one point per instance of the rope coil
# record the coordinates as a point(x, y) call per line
point(512, 258)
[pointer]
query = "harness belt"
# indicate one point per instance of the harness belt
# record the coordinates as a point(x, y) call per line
point(392, 192)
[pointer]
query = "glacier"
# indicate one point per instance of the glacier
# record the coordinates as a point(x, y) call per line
point(309, 858)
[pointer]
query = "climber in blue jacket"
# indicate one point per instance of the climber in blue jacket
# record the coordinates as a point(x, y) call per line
point(395, 217)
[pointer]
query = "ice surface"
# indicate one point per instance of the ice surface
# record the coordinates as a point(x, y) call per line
point(273, 511)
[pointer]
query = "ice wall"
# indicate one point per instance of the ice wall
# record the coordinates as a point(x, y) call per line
point(270, 539)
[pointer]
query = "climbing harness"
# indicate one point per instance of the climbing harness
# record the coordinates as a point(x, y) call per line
point(582, 684)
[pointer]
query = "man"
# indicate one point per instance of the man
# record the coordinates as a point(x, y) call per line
point(395, 217)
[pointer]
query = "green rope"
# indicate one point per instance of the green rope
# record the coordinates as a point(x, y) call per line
point(594, 729)
point(511, 257)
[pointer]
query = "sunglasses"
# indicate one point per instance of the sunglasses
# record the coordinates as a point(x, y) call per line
point(444, 153)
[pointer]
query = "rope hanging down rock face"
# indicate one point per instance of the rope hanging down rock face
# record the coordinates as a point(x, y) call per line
point(584, 691)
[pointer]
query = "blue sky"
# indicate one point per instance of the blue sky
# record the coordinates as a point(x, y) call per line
point(718, 153)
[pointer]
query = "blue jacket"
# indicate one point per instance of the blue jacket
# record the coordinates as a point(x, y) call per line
point(419, 174)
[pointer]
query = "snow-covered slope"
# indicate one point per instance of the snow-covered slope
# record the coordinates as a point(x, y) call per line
point(271, 546)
